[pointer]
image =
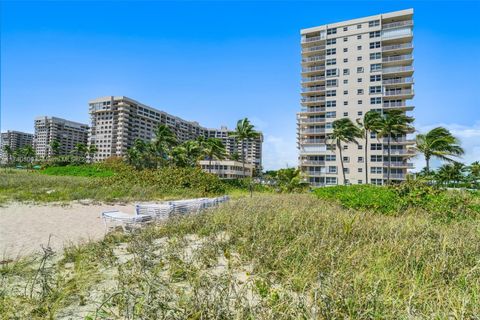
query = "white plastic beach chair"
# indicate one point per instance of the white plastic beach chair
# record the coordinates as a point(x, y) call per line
point(161, 211)
point(125, 220)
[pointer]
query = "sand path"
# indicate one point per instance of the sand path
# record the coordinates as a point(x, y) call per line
point(24, 227)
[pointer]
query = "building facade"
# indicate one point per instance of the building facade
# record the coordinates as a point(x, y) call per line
point(117, 121)
point(227, 169)
point(349, 68)
point(15, 140)
point(67, 133)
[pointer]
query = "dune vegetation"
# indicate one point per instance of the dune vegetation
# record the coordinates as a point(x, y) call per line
point(284, 256)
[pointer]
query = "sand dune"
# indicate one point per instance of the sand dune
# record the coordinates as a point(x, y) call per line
point(25, 227)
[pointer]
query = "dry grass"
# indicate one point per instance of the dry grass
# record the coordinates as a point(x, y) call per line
point(270, 257)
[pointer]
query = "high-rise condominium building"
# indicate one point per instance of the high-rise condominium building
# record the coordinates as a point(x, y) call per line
point(15, 140)
point(67, 133)
point(349, 68)
point(117, 121)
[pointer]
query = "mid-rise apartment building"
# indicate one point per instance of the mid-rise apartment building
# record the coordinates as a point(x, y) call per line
point(67, 133)
point(227, 169)
point(117, 121)
point(15, 140)
point(349, 68)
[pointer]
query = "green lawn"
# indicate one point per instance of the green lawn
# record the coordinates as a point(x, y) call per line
point(269, 257)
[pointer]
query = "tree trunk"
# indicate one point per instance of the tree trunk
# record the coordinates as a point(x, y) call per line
point(388, 169)
point(339, 145)
point(427, 160)
point(366, 155)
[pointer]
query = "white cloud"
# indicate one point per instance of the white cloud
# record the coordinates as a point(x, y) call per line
point(279, 153)
point(468, 135)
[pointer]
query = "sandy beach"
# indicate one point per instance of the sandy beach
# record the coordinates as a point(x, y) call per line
point(25, 227)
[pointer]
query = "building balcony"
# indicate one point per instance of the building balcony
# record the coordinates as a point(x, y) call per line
point(312, 50)
point(313, 99)
point(313, 110)
point(311, 120)
point(312, 141)
point(312, 162)
point(397, 105)
point(404, 59)
point(398, 164)
point(312, 59)
point(393, 35)
point(403, 70)
point(398, 81)
point(395, 176)
point(397, 24)
point(312, 131)
point(394, 152)
point(314, 69)
point(313, 79)
point(399, 94)
point(401, 140)
point(313, 39)
point(313, 89)
point(400, 48)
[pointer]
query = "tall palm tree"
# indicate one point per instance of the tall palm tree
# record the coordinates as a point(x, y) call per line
point(243, 133)
point(28, 153)
point(91, 151)
point(9, 151)
point(214, 149)
point(186, 154)
point(164, 141)
point(451, 173)
point(344, 130)
point(394, 123)
point(474, 172)
point(55, 147)
point(438, 143)
point(371, 123)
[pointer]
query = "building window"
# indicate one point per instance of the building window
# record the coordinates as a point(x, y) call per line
point(376, 146)
point(345, 147)
point(377, 100)
point(330, 157)
point(332, 83)
point(359, 58)
point(376, 158)
point(359, 80)
point(331, 51)
point(375, 78)
point(359, 47)
point(331, 104)
point(331, 93)
point(360, 147)
point(375, 89)
point(345, 39)
point(359, 37)
point(345, 91)
point(359, 26)
point(360, 102)
point(331, 62)
point(331, 72)
point(345, 103)
point(375, 67)
point(360, 170)
point(360, 113)
point(375, 55)
point(374, 23)
point(345, 49)
point(345, 114)
point(346, 159)
point(374, 34)
point(345, 81)
point(359, 91)
point(331, 31)
point(331, 41)
point(346, 72)
point(345, 60)
point(375, 45)
point(359, 69)
point(331, 114)
point(376, 169)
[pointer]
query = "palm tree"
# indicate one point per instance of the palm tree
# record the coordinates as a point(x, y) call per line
point(344, 130)
point(55, 147)
point(394, 123)
point(451, 173)
point(371, 123)
point(290, 180)
point(438, 143)
point(28, 153)
point(474, 172)
point(9, 151)
point(186, 154)
point(164, 141)
point(214, 149)
point(136, 154)
point(80, 149)
point(91, 151)
point(243, 133)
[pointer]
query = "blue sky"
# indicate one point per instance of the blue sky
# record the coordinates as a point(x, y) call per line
point(217, 62)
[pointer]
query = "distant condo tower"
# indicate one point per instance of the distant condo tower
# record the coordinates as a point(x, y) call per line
point(15, 140)
point(67, 133)
point(349, 68)
point(117, 121)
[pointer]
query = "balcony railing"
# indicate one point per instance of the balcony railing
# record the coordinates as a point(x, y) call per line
point(312, 141)
point(397, 69)
point(397, 46)
point(407, 80)
point(312, 120)
point(313, 49)
point(397, 58)
point(313, 39)
point(313, 99)
point(313, 89)
point(313, 79)
point(312, 131)
point(398, 92)
point(397, 24)
point(400, 176)
point(313, 162)
point(313, 59)
point(394, 104)
point(398, 151)
point(313, 69)
point(313, 110)
point(399, 139)
point(398, 164)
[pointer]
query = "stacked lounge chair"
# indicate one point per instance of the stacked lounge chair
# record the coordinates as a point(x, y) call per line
point(155, 212)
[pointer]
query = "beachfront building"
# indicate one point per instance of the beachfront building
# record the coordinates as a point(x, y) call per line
point(227, 169)
point(349, 68)
point(117, 121)
point(67, 133)
point(15, 140)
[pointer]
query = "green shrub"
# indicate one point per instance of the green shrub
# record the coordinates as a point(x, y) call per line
point(96, 170)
